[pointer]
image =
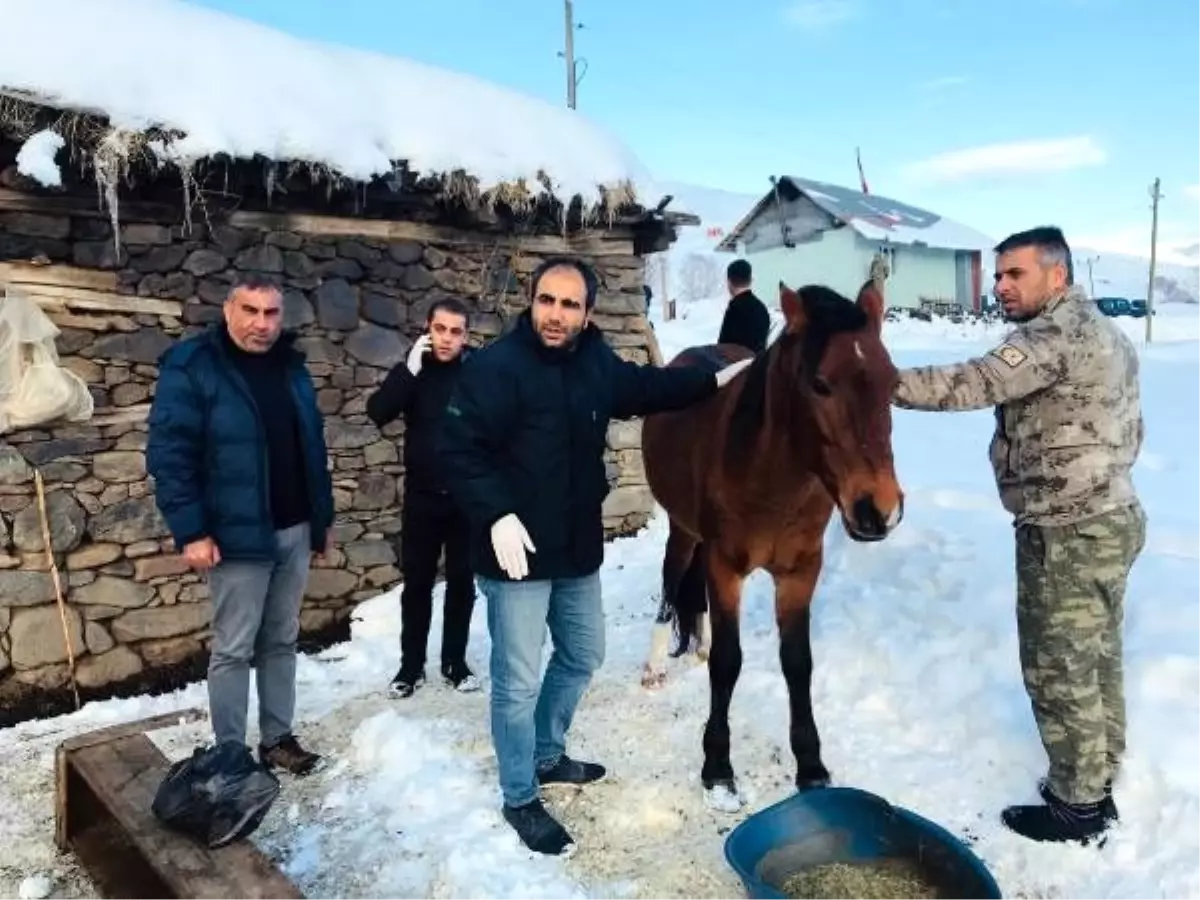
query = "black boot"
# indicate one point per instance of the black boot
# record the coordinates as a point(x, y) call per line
point(538, 830)
point(571, 771)
point(1057, 820)
point(1108, 806)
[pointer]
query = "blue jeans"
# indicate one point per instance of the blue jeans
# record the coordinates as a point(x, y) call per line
point(530, 720)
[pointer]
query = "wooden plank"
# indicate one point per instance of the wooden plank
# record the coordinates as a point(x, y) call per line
point(57, 275)
point(137, 726)
point(54, 297)
point(18, 201)
point(62, 823)
point(594, 243)
point(124, 774)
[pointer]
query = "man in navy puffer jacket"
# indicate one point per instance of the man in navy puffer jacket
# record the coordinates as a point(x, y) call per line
point(237, 452)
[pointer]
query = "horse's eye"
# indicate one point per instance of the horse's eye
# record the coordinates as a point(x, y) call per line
point(821, 387)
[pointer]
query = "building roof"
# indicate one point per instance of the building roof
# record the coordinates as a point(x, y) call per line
point(875, 217)
point(220, 84)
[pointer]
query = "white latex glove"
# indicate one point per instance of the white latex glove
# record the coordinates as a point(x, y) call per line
point(510, 540)
point(725, 375)
point(419, 348)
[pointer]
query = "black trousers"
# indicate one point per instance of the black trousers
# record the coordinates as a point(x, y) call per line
point(431, 521)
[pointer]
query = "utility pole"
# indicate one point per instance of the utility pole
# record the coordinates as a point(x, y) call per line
point(1155, 196)
point(572, 83)
point(1091, 282)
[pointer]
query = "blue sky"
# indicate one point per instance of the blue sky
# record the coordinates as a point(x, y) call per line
point(1000, 115)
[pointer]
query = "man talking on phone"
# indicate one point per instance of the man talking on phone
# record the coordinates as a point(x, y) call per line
point(419, 390)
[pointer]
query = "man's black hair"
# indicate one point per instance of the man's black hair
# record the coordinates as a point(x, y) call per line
point(1047, 238)
point(590, 281)
point(738, 273)
point(254, 281)
point(450, 305)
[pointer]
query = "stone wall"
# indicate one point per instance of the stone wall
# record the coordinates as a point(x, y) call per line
point(133, 608)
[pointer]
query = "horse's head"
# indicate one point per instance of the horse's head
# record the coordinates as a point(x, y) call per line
point(845, 379)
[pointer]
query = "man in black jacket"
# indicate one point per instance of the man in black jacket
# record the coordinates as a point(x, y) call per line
point(746, 321)
point(419, 390)
point(523, 446)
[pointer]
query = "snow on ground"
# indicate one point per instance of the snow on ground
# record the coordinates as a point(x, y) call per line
point(917, 692)
point(352, 110)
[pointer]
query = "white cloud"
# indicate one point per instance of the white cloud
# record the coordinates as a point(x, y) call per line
point(1016, 158)
point(1193, 191)
point(1175, 241)
point(818, 15)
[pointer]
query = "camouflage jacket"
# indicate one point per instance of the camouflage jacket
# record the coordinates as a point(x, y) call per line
point(1068, 411)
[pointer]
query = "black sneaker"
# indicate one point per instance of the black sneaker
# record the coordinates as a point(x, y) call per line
point(406, 683)
point(571, 771)
point(460, 677)
point(287, 754)
point(538, 830)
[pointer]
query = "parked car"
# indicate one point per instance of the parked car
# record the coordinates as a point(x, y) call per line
point(1122, 306)
point(1115, 306)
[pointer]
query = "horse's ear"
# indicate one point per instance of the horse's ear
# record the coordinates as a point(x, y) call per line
point(792, 306)
point(870, 301)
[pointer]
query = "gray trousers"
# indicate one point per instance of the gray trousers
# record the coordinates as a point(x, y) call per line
point(256, 620)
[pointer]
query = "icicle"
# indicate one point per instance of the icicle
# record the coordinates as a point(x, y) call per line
point(109, 160)
point(270, 182)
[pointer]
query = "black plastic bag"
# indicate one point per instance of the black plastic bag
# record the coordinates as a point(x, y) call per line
point(217, 795)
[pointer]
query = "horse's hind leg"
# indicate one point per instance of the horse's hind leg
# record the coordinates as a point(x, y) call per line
point(676, 559)
point(724, 667)
point(793, 604)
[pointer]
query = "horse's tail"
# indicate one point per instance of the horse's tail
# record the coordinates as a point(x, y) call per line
point(691, 602)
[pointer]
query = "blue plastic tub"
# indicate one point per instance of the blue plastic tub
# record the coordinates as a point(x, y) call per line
point(839, 824)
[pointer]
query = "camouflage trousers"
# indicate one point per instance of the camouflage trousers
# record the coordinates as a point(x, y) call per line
point(1070, 611)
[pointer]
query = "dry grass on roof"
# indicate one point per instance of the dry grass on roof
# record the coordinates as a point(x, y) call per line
point(115, 154)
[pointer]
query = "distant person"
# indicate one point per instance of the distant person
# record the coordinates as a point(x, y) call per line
point(747, 324)
point(419, 390)
point(523, 446)
point(1069, 428)
point(746, 320)
point(237, 452)
point(649, 294)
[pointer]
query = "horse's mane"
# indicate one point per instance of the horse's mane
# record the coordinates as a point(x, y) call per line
point(827, 313)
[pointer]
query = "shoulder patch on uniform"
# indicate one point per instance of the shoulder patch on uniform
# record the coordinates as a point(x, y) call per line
point(1010, 355)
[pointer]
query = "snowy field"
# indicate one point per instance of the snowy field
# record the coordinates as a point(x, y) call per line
point(917, 692)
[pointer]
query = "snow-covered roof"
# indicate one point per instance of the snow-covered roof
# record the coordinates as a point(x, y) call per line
point(241, 88)
point(875, 217)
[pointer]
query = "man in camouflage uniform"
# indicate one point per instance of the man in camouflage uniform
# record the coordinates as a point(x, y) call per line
point(1068, 430)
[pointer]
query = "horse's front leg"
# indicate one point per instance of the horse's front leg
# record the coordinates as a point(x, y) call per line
point(677, 557)
point(724, 667)
point(793, 605)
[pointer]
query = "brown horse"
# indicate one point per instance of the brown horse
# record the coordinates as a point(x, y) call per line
point(753, 476)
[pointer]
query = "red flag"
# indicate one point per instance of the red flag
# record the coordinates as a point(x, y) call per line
point(861, 177)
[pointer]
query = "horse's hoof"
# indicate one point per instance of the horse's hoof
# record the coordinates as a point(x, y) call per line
point(809, 781)
point(723, 797)
point(652, 680)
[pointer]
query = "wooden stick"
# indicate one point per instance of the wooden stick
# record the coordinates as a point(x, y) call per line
point(62, 606)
